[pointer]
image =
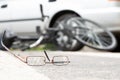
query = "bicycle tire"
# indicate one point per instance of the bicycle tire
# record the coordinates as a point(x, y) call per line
point(95, 36)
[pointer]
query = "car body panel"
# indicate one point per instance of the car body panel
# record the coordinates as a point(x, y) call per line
point(25, 15)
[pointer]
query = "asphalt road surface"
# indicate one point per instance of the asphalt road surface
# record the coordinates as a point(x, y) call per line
point(87, 64)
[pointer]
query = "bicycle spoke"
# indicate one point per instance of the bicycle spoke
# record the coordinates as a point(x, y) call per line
point(94, 42)
point(105, 42)
point(83, 36)
point(98, 40)
point(106, 39)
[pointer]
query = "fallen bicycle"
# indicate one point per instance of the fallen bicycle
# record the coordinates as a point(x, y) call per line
point(75, 30)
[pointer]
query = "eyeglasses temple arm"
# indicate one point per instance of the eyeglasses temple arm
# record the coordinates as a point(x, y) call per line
point(46, 55)
point(2, 43)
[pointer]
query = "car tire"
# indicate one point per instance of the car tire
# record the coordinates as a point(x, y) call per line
point(75, 44)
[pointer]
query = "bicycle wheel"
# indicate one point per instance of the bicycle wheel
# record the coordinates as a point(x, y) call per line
point(92, 34)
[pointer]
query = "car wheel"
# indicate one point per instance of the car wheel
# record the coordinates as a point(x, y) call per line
point(65, 42)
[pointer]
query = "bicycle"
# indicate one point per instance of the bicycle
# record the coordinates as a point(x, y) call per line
point(78, 29)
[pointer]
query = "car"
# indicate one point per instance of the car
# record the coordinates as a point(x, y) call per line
point(22, 16)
